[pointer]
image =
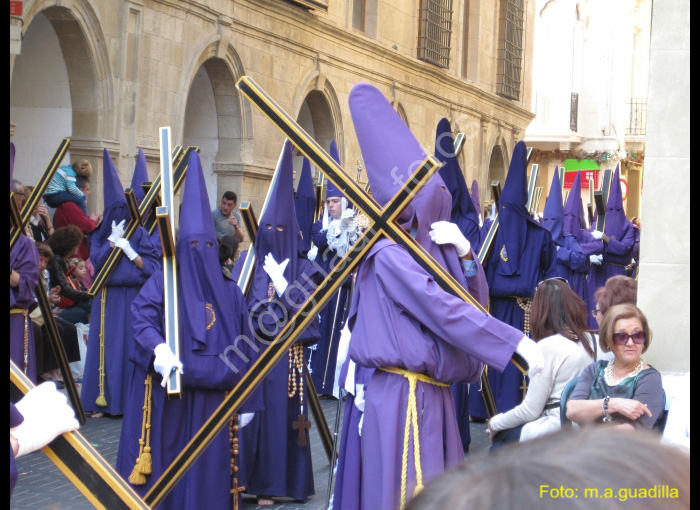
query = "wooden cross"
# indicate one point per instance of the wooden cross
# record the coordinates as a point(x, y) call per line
point(383, 223)
point(80, 462)
point(301, 425)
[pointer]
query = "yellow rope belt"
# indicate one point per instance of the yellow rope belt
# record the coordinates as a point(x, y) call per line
point(101, 400)
point(17, 311)
point(411, 422)
point(144, 462)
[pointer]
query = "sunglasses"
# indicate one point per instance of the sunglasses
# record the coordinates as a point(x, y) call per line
point(621, 338)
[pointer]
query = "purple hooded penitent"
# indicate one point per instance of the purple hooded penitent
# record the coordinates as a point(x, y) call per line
point(401, 318)
point(332, 190)
point(476, 200)
point(572, 210)
point(616, 223)
point(140, 176)
point(305, 204)
point(512, 210)
point(463, 212)
point(121, 288)
point(553, 216)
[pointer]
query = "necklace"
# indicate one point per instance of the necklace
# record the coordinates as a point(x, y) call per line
point(610, 378)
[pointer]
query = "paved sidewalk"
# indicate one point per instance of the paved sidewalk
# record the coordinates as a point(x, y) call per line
point(42, 486)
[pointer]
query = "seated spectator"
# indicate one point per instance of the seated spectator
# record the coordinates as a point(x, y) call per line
point(226, 219)
point(75, 274)
point(576, 470)
point(618, 290)
point(40, 221)
point(232, 249)
point(63, 188)
point(559, 324)
point(69, 213)
point(65, 243)
point(46, 360)
point(624, 391)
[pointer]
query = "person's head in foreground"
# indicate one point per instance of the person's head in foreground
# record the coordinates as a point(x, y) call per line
point(588, 468)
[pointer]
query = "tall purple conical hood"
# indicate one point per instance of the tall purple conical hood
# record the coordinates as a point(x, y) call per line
point(463, 212)
point(12, 162)
point(278, 232)
point(140, 176)
point(512, 211)
point(553, 218)
point(305, 204)
point(331, 189)
point(116, 209)
point(476, 200)
point(574, 209)
point(391, 154)
point(200, 281)
point(616, 222)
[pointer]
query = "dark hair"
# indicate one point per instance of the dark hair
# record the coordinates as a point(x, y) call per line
point(45, 251)
point(81, 182)
point(230, 195)
point(225, 253)
point(585, 461)
point(614, 314)
point(231, 241)
point(556, 309)
point(617, 290)
point(65, 239)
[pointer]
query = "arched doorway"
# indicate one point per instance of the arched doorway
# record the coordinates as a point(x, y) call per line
point(55, 93)
point(213, 122)
point(497, 168)
point(316, 118)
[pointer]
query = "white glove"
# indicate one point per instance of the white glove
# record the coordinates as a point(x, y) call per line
point(117, 231)
point(125, 246)
point(346, 218)
point(444, 232)
point(597, 234)
point(244, 419)
point(596, 259)
point(532, 354)
point(166, 362)
point(276, 273)
point(46, 415)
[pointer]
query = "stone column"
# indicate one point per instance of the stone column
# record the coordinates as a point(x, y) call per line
point(664, 276)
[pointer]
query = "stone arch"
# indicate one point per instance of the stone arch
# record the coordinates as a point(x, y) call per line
point(211, 114)
point(317, 111)
point(91, 123)
point(402, 112)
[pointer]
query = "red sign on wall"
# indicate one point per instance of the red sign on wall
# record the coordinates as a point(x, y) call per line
point(15, 8)
point(570, 177)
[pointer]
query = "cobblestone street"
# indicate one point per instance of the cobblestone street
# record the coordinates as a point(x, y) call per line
point(42, 486)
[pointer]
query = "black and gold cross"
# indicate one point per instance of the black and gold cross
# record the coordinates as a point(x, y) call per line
point(383, 223)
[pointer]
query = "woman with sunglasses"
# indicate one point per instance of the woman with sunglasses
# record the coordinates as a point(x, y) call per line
point(624, 391)
point(559, 324)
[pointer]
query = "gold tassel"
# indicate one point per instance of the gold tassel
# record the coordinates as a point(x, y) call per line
point(144, 462)
point(101, 400)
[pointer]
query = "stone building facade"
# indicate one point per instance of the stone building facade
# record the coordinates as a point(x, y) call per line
point(109, 73)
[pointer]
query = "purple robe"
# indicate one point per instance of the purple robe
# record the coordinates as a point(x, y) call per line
point(325, 353)
point(205, 379)
point(573, 265)
point(24, 259)
point(122, 286)
point(447, 340)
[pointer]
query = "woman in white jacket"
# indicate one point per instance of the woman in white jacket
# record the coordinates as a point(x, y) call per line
point(558, 322)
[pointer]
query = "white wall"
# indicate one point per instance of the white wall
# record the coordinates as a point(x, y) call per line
point(40, 103)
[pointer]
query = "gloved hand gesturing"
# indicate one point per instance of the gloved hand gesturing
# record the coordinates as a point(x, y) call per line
point(444, 232)
point(125, 246)
point(276, 273)
point(117, 231)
